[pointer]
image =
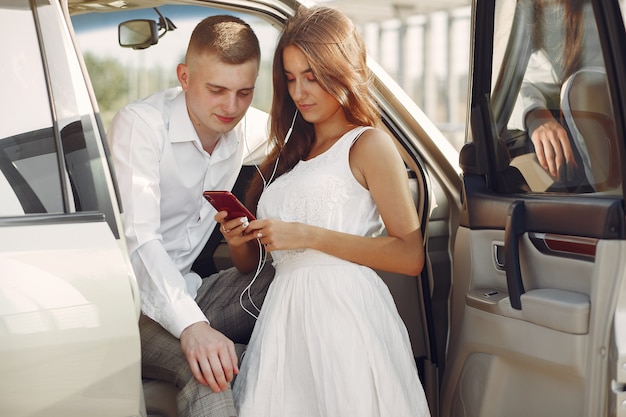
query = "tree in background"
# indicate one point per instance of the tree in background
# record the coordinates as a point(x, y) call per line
point(116, 84)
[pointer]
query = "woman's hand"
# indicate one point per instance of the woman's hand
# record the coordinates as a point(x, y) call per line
point(235, 231)
point(552, 145)
point(241, 239)
point(278, 235)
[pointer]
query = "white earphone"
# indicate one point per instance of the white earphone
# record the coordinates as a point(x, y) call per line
point(266, 183)
point(287, 136)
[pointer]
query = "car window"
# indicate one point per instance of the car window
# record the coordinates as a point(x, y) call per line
point(51, 154)
point(30, 180)
point(121, 75)
point(551, 101)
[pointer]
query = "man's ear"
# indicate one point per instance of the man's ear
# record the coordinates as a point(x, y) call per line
point(182, 72)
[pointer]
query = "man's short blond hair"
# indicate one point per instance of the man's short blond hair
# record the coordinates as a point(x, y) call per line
point(226, 36)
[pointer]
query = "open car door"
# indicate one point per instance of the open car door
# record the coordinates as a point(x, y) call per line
point(69, 304)
point(538, 296)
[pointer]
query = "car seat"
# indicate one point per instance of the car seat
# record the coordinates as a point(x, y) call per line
point(586, 107)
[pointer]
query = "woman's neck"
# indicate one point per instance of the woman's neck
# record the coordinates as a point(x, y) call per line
point(326, 136)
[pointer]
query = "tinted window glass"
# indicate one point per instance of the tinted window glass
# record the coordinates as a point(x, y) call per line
point(551, 99)
point(51, 151)
point(29, 170)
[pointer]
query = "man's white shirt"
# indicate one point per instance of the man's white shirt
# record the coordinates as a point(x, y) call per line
point(162, 171)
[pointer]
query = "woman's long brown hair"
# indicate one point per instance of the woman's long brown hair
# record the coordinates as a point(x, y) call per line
point(337, 56)
point(570, 54)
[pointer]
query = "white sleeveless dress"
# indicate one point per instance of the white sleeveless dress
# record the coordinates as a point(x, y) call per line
point(329, 341)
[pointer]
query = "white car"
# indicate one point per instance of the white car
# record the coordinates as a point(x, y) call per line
point(521, 308)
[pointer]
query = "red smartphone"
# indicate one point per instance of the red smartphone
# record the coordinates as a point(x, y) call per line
point(225, 200)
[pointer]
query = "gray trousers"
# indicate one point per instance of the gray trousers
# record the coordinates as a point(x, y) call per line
point(163, 358)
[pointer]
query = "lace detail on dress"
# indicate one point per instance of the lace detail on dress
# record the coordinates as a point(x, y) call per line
point(321, 192)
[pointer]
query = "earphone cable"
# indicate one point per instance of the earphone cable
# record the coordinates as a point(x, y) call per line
point(266, 183)
point(262, 260)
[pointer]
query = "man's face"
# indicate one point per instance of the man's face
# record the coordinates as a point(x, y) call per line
point(218, 94)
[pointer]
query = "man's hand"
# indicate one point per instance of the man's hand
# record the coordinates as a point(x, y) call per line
point(210, 354)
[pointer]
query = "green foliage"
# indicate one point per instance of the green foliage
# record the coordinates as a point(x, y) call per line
point(108, 78)
point(116, 84)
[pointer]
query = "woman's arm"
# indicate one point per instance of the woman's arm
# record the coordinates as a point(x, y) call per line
point(552, 145)
point(377, 165)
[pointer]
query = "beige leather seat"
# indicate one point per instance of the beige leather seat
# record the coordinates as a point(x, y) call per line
point(586, 106)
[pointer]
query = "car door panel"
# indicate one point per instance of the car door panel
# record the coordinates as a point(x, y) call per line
point(69, 304)
point(533, 273)
point(66, 298)
point(538, 271)
point(532, 338)
point(546, 349)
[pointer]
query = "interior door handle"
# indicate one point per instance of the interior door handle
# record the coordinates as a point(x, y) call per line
point(515, 227)
point(498, 255)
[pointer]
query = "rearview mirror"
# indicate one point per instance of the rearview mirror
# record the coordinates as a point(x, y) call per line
point(138, 34)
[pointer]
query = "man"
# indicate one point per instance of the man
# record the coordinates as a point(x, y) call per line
point(167, 149)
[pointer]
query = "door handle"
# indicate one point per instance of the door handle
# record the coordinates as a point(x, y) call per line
point(515, 227)
point(498, 255)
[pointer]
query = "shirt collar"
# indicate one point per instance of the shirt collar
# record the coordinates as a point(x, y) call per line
point(180, 126)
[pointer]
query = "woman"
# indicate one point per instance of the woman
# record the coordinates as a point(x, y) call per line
point(565, 40)
point(329, 340)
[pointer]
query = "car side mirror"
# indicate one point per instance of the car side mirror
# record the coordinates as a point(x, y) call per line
point(138, 34)
point(143, 33)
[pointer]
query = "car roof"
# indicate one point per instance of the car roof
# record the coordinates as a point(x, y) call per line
point(360, 11)
point(88, 6)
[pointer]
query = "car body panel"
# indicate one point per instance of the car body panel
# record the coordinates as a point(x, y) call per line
point(68, 321)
